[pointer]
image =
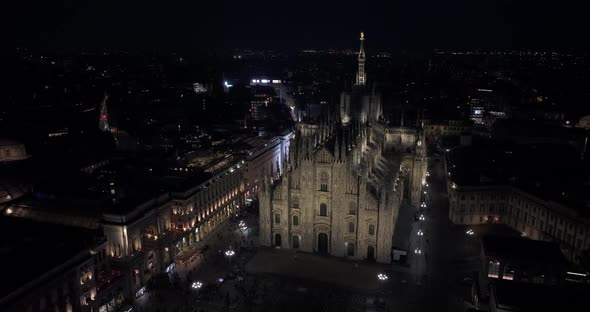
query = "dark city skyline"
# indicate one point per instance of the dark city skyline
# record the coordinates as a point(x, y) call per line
point(188, 25)
point(263, 156)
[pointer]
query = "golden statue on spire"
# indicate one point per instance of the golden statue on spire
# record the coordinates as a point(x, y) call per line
point(362, 35)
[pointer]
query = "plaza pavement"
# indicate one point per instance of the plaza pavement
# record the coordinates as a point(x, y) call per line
point(320, 268)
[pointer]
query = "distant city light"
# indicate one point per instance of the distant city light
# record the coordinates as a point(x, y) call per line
point(199, 88)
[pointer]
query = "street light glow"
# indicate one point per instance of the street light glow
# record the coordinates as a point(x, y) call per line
point(382, 277)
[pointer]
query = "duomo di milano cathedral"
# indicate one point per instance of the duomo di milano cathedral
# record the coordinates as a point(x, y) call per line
point(343, 184)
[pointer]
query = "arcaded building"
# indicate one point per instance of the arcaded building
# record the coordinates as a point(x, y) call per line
point(343, 183)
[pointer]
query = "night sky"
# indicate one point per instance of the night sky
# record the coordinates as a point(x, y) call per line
point(394, 24)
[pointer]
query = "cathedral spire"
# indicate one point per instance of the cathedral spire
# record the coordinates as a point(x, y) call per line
point(361, 77)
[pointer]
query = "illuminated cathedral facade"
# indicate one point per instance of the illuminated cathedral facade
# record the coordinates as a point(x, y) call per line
point(344, 181)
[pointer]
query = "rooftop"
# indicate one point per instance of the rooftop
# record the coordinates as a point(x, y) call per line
point(549, 171)
point(522, 250)
point(26, 242)
point(9, 142)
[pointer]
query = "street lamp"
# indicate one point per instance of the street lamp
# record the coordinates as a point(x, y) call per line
point(197, 286)
point(230, 254)
point(421, 218)
point(417, 251)
point(420, 233)
point(382, 277)
point(470, 232)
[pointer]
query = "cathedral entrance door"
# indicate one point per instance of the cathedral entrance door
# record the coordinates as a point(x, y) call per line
point(371, 253)
point(295, 241)
point(278, 240)
point(323, 243)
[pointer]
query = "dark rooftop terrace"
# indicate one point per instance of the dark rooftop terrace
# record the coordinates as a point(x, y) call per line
point(523, 250)
point(37, 248)
point(549, 171)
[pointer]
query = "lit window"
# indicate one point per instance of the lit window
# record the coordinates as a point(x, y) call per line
point(494, 269)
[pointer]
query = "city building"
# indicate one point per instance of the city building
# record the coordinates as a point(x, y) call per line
point(264, 155)
point(524, 275)
point(343, 183)
point(539, 191)
point(149, 226)
point(436, 129)
point(73, 275)
point(11, 150)
point(262, 97)
point(139, 237)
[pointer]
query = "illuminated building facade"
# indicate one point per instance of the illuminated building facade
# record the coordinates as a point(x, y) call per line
point(343, 184)
point(529, 207)
point(75, 274)
point(152, 236)
point(11, 150)
point(434, 129)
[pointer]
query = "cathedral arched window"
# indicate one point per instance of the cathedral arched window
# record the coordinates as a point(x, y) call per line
point(278, 218)
point(371, 229)
point(350, 227)
point(324, 182)
point(295, 202)
point(295, 220)
point(352, 208)
point(323, 210)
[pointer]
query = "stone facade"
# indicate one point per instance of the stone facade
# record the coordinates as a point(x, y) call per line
point(341, 192)
point(531, 215)
point(343, 181)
